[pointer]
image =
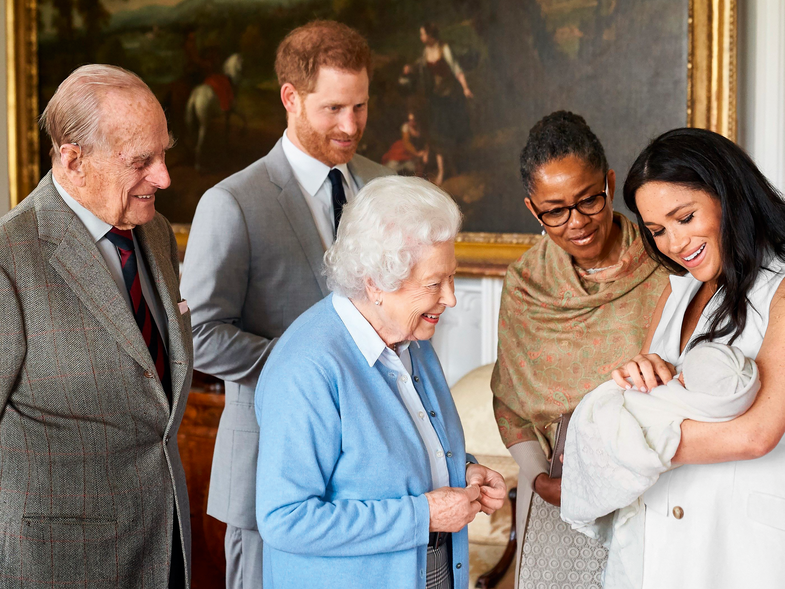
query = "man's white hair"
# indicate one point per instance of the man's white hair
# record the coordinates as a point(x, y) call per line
point(74, 113)
point(384, 232)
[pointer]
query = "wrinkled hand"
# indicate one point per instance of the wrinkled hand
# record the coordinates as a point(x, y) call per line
point(549, 489)
point(491, 485)
point(646, 371)
point(452, 508)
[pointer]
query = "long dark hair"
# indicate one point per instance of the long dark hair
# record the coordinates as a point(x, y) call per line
point(753, 212)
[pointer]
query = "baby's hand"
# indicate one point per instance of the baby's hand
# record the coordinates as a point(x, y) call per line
point(681, 379)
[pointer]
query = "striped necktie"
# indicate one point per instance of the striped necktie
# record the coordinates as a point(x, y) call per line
point(123, 240)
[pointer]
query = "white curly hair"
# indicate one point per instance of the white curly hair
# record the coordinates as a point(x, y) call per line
point(384, 232)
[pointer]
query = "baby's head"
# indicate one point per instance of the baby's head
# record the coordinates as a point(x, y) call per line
point(716, 369)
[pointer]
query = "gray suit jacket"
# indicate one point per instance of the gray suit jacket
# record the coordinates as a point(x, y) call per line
point(90, 473)
point(252, 266)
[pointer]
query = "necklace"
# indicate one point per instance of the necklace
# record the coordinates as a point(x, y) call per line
point(596, 270)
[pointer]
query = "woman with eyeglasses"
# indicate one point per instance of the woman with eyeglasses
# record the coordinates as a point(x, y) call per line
point(574, 308)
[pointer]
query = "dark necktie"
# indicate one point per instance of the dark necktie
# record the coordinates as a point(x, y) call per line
point(124, 242)
point(339, 196)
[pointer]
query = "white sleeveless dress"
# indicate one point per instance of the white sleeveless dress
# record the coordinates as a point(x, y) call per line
point(731, 533)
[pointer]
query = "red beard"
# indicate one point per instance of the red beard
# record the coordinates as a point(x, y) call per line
point(321, 147)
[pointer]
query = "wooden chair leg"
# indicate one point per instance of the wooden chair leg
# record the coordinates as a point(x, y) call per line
point(492, 577)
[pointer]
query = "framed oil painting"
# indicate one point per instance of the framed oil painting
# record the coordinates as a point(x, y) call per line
point(632, 68)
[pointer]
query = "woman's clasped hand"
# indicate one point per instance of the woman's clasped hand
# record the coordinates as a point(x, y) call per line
point(548, 488)
point(491, 485)
point(453, 508)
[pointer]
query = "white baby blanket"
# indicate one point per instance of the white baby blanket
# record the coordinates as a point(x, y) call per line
point(618, 443)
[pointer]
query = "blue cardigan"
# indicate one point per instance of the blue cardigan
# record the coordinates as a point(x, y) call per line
point(342, 470)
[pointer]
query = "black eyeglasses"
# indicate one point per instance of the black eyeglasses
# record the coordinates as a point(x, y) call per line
point(591, 205)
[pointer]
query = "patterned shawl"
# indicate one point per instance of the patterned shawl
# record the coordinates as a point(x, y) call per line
point(562, 331)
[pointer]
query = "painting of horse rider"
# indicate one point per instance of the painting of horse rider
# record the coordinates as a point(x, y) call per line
point(211, 99)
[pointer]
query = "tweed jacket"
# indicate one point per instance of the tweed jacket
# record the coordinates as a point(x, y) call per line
point(253, 265)
point(90, 474)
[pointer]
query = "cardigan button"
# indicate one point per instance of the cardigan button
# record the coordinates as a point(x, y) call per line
point(449, 454)
point(433, 413)
point(678, 512)
point(457, 566)
point(148, 374)
point(416, 378)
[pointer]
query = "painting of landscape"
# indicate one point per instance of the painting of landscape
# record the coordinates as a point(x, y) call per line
point(210, 63)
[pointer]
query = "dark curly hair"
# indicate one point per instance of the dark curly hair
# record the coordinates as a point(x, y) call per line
point(753, 213)
point(556, 136)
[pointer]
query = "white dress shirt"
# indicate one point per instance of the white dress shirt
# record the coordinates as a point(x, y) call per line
point(98, 230)
point(373, 348)
point(311, 175)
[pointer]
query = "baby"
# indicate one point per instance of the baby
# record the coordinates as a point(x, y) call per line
point(620, 441)
point(716, 383)
point(716, 369)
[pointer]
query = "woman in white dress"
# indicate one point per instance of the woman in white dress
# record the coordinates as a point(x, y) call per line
point(717, 521)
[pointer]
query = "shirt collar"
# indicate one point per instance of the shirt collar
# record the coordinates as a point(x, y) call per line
point(95, 226)
point(310, 172)
point(364, 335)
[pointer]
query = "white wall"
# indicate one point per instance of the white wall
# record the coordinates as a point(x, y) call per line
point(467, 334)
point(5, 198)
point(761, 66)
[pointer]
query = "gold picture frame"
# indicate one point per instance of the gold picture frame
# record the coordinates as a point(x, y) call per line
point(711, 104)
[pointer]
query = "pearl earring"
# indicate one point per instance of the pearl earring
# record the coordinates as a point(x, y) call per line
point(377, 303)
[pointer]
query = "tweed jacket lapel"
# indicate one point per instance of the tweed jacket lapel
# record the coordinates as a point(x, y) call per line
point(78, 261)
point(166, 283)
point(300, 218)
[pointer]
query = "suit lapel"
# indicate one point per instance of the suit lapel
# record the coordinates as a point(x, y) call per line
point(361, 171)
point(165, 282)
point(301, 220)
point(77, 260)
point(297, 212)
point(80, 264)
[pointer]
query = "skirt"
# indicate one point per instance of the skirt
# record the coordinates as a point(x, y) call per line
point(554, 556)
point(438, 574)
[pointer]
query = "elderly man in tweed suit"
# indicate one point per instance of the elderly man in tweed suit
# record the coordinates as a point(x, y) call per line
point(95, 353)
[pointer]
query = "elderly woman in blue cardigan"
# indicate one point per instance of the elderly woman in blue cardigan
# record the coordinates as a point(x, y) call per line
point(363, 480)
